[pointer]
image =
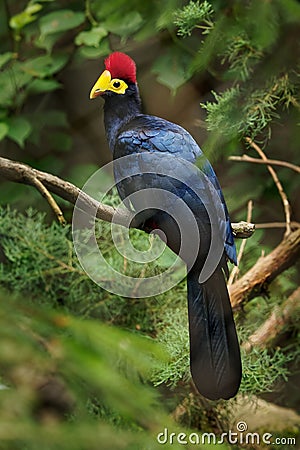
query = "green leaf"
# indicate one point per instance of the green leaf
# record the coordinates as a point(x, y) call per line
point(5, 57)
point(38, 86)
point(62, 20)
point(19, 21)
point(91, 38)
point(45, 66)
point(93, 52)
point(3, 130)
point(171, 69)
point(19, 130)
point(124, 26)
point(47, 41)
point(12, 80)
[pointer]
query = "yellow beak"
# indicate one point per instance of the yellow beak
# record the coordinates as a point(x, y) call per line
point(101, 84)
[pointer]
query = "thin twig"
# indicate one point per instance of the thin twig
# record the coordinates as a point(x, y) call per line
point(46, 194)
point(286, 205)
point(89, 15)
point(236, 269)
point(270, 162)
point(294, 225)
point(138, 283)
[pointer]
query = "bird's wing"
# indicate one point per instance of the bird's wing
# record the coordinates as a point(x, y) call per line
point(153, 134)
point(156, 135)
point(206, 167)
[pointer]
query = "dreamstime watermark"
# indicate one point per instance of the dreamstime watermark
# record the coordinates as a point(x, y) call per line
point(175, 187)
point(240, 436)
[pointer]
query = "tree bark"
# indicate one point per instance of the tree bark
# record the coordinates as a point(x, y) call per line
point(22, 173)
point(276, 323)
point(256, 280)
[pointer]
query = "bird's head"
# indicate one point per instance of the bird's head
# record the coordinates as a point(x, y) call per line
point(119, 74)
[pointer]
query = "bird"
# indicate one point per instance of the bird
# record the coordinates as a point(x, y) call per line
point(215, 361)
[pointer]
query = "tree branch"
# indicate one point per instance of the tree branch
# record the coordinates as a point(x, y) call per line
point(270, 162)
point(249, 285)
point(242, 229)
point(255, 281)
point(34, 181)
point(294, 225)
point(286, 204)
point(276, 323)
point(235, 269)
point(22, 173)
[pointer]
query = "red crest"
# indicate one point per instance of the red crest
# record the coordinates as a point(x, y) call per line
point(121, 66)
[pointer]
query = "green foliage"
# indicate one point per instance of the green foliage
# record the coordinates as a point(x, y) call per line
point(25, 17)
point(91, 38)
point(243, 112)
point(40, 256)
point(60, 21)
point(64, 327)
point(54, 367)
point(101, 369)
point(259, 362)
point(192, 15)
point(173, 334)
point(131, 23)
point(241, 55)
point(40, 264)
point(244, 41)
point(18, 129)
point(178, 61)
point(44, 66)
point(225, 107)
point(43, 38)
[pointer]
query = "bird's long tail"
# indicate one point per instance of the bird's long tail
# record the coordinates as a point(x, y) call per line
point(214, 349)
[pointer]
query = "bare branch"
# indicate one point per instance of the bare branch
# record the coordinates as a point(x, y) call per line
point(276, 323)
point(294, 225)
point(235, 270)
point(46, 194)
point(242, 229)
point(270, 162)
point(266, 269)
point(286, 205)
point(22, 173)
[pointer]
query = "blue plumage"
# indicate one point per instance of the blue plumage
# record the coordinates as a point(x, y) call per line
point(162, 157)
point(153, 134)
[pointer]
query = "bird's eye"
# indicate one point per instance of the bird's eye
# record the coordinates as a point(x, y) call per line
point(118, 86)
